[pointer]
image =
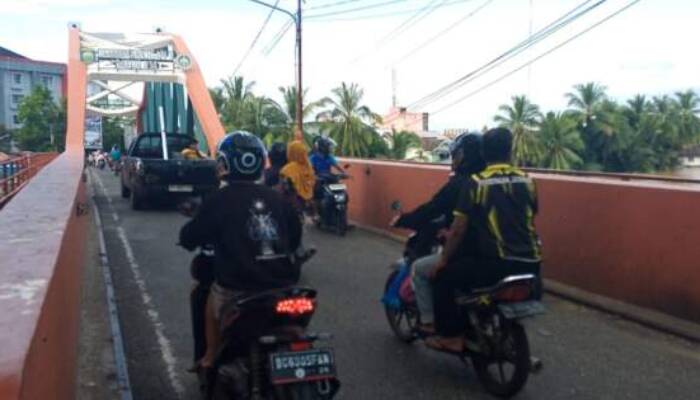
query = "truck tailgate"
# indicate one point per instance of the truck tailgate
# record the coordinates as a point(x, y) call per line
point(191, 172)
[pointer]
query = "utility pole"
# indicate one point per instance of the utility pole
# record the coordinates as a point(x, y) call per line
point(298, 132)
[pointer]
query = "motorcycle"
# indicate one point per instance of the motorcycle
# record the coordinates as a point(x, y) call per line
point(332, 203)
point(495, 339)
point(117, 167)
point(266, 352)
point(101, 163)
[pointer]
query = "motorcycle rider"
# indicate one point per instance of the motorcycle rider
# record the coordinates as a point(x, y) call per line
point(278, 159)
point(466, 160)
point(323, 160)
point(254, 232)
point(494, 214)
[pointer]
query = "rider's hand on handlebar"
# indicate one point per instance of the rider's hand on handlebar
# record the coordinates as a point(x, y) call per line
point(439, 266)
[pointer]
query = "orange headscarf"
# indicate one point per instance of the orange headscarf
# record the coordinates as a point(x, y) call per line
point(299, 170)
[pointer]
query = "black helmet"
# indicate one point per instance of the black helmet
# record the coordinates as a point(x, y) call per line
point(469, 144)
point(278, 154)
point(325, 145)
point(241, 156)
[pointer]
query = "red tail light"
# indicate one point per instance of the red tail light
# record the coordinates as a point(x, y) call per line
point(295, 306)
point(514, 293)
point(299, 346)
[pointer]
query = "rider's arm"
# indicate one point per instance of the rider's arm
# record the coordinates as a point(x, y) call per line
point(294, 224)
point(455, 238)
point(203, 228)
point(442, 203)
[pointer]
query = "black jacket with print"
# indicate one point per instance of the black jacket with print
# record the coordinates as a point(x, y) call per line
point(254, 232)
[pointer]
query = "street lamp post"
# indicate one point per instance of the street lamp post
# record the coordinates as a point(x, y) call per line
point(298, 133)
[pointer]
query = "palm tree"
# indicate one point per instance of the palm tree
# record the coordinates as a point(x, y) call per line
point(400, 142)
point(263, 118)
point(349, 122)
point(235, 94)
point(585, 104)
point(688, 122)
point(585, 100)
point(561, 142)
point(636, 108)
point(289, 103)
point(521, 118)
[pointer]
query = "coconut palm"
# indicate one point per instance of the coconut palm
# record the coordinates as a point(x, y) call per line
point(349, 122)
point(289, 106)
point(400, 142)
point(688, 122)
point(235, 95)
point(561, 142)
point(636, 108)
point(263, 117)
point(522, 118)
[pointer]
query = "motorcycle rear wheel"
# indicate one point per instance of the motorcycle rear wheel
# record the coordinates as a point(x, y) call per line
point(402, 321)
point(515, 351)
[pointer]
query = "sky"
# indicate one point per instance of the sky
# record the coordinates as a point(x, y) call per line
point(649, 49)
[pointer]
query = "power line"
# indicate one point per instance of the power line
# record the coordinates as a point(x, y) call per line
point(255, 40)
point(277, 38)
point(383, 15)
point(546, 53)
point(543, 33)
point(443, 32)
point(352, 10)
point(336, 4)
point(412, 20)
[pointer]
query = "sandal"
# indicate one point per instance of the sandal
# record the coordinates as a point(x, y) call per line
point(426, 329)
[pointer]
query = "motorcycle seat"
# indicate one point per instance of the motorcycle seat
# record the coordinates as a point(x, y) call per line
point(470, 296)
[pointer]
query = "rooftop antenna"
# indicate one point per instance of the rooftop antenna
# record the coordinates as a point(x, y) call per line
point(394, 85)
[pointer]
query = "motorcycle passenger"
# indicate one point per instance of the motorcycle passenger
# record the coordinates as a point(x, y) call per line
point(497, 207)
point(254, 232)
point(278, 159)
point(466, 160)
point(115, 154)
point(191, 152)
point(298, 175)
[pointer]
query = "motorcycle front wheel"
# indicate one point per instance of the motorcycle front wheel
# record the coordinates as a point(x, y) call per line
point(505, 370)
point(403, 320)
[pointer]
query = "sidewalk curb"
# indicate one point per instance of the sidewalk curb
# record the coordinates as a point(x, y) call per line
point(647, 317)
point(644, 316)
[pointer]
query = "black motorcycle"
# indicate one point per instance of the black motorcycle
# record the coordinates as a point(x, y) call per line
point(265, 352)
point(332, 203)
point(495, 339)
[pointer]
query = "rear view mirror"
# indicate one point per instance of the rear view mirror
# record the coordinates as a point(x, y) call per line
point(396, 205)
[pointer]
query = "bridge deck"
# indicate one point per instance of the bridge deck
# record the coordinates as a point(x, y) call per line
point(587, 354)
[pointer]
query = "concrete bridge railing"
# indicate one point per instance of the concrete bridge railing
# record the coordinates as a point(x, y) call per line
point(630, 240)
point(41, 255)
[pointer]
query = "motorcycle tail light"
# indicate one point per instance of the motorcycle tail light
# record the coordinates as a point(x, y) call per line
point(295, 306)
point(514, 293)
point(299, 346)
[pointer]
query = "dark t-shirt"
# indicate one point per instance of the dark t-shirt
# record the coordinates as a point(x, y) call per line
point(254, 231)
point(501, 203)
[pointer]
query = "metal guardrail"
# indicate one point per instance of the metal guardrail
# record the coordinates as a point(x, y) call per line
point(17, 171)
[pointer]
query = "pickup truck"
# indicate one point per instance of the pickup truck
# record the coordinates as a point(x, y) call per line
point(147, 174)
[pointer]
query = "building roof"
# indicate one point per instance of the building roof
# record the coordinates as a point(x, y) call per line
point(9, 53)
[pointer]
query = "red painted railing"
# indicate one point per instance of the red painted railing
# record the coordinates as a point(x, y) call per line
point(17, 171)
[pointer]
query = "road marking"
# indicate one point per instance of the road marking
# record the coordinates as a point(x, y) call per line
point(166, 349)
point(117, 338)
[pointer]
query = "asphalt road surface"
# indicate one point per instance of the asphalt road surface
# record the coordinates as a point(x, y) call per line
point(587, 354)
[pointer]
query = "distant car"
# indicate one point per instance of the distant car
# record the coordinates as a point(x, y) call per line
point(146, 174)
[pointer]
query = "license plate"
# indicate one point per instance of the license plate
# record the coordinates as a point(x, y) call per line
point(337, 186)
point(179, 188)
point(300, 366)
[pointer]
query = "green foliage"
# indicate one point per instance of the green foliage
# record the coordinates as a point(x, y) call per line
point(350, 123)
point(43, 122)
point(400, 142)
point(112, 133)
point(5, 139)
point(522, 119)
point(598, 134)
